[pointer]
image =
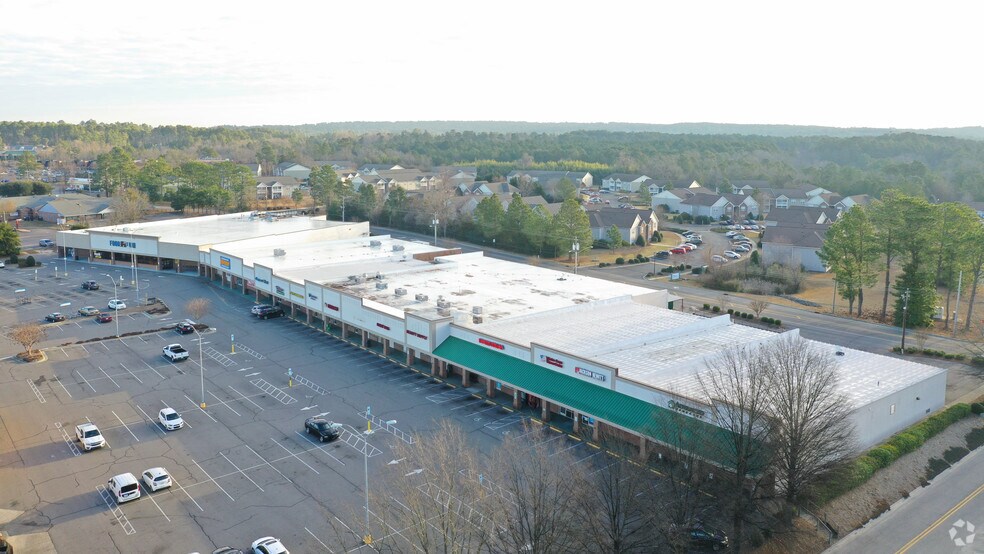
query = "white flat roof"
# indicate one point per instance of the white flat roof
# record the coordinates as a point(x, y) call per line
point(215, 229)
point(665, 349)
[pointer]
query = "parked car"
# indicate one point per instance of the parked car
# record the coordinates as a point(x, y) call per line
point(90, 285)
point(742, 248)
point(255, 310)
point(732, 254)
point(272, 311)
point(54, 317)
point(731, 234)
point(104, 318)
point(690, 247)
point(325, 430)
point(89, 436)
point(662, 254)
point(678, 250)
point(2, 265)
point(269, 545)
point(46, 243)
point(174, 352)
point(88, 310)
point(227, 550)
point(184, 328)
point(156, 478)
point(719, 259)
point(706, 538)
point(117, 304)
point(170, 419)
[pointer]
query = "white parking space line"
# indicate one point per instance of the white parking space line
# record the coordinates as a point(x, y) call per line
point(296, 457)
point(125, 426)
point(246, 398)
point(79, 373)
point(153, 423)
point(84, 348)
point(223, 403)
point(470, 403)
point(195, 404)
point(241, 471)
point(268, 463)
point(212, 480)
point(318, 447)
point(587, 457)
point(319, 540)
point(36, 391)
point(146, 493)
point(571, 447)
point(103, 344)
point(185, 420)
point(175, 481)
point(131, 373)
point(492, 407)
point(63, 387)
point(150, 367)
point(110, 378)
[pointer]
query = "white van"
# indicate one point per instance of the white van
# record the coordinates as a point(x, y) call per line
point(124, 487)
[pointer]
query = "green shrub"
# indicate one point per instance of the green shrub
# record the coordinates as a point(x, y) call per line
point(884, 454)
point(717, 309)
point(778, 322)
point(707, 306)
point(864, 468)
point(958, 411)
point(977, 408)
point(960, 357)
point(731, 311)
point(12, 260)
point(619, 261)
point(896, 349)
point(977, 361)
point(632, 261)
point(905, 442)
point(29, 262)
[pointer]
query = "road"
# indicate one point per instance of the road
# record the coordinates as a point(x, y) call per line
point(932, 519)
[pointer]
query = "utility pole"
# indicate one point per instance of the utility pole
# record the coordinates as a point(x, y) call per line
point(435, 222)
point(956, 309)
point(905, 315)
point(577, 248)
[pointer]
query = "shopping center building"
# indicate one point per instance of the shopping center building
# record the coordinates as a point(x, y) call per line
point(609, 357)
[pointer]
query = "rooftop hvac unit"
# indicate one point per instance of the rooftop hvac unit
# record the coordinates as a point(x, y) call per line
point(379, 275)
point(400, 291)
point(279, 252)
point(397, 247)
point(381, 285)
point(476, 319)
point(442, 303)
point(477, 310)
point(421, 297)
point(355, 278)
point(375, 243)
point(444, 311)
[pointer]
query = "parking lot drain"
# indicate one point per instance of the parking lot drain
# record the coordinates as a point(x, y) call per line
point(273, 391)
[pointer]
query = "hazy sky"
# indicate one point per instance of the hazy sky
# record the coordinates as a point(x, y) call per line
point(845, 64)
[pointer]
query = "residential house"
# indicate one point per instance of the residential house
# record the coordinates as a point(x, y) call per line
point(801, 215)
point(274, 188)
point(794, 246)
point(748, 187)
point(69, 209)
point(708, 205)
point(291, 169)
point(373, 169)
point(484, 188)
point(673, 198)
point(743, 206)
point(338, 166)
point(631, 224)
point(661, 185)
point(848, 202)
point(255, 169)
point(548, 179)
point(625, 182)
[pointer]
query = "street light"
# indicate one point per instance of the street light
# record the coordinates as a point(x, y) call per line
point(201, 366)
point(116, 316)
point(435, 222)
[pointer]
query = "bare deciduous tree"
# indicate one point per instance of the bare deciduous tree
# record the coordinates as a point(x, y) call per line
point(737, 385)
point(198, 307)
point(538, 499)
point(129, 206)
point(758, 306)
point(28, 335)
point(810, 425)
point(440, 508)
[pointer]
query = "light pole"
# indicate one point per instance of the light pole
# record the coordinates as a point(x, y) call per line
point(365, 455)
point(201, 366)
point(65, 251)
point(435, 222)
point(577, 248)
point(905, 315)
point(116, 315)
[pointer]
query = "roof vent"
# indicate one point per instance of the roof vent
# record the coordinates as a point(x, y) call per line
point(381, 285)
point(356, 278)
point(442, 303)
point(477, 310)
point(375, 243)
point(397, 247)
point(421, 297)
point(279, 252)
point(444, 312)
point(476, 319)
point(400, 291)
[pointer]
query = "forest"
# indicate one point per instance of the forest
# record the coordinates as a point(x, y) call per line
point(938, 168)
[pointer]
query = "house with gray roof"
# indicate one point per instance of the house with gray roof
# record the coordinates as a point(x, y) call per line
point(632, 224)
point(71, 209)
point(372, 169)
point(801, 215)
point(291, 169)
point(794, 246)
point(708, 205)
point(548, 179)
point(275, 188)
point(625, 182)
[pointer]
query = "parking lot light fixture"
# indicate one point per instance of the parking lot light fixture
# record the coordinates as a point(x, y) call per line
point(116, 314)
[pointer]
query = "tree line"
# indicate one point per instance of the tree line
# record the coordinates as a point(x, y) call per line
point(920, 246)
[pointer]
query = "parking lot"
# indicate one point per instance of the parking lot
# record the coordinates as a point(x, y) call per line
point(242, 467)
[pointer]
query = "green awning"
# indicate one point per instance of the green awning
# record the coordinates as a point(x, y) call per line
point(655, 422)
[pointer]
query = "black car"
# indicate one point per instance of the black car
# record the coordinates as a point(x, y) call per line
point(662, 254)
point(90, 285)
point(272, 311)
point(184, 328)
point(325, 430)
point(706, 538)
point(54, 317)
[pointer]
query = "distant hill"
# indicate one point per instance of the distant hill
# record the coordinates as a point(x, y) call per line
point(438, 127)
